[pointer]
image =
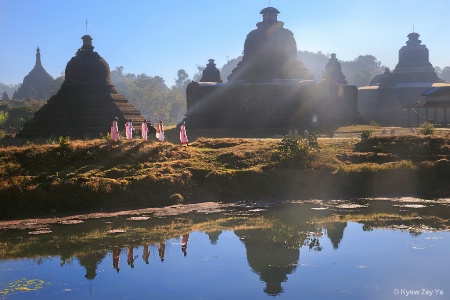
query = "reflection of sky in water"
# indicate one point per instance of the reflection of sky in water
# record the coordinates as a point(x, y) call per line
point(365, 265)
point(350, 251)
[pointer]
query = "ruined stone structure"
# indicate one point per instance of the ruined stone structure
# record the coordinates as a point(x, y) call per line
point(270, 87)
point(87, 102)
point(37, 83)
point(384, 100)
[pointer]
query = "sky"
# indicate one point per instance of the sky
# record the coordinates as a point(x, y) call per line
point(159, 37)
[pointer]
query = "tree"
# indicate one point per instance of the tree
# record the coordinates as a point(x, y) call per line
point(19, 112)
point(56, 85)
point(362, 78)
point(199, 73)
point(362, 69)
point(182, 80)
point(3, 117)
point(229, 67)
point(315, 62)
point(445, 74)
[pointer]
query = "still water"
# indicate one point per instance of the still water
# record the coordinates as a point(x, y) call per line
point(353, 249)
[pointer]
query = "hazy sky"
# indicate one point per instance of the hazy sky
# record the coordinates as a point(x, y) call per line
point(159, 37)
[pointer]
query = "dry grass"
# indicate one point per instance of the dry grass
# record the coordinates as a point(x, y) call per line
point(43, 177)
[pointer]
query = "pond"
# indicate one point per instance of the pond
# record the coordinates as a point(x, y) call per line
point(342, 249)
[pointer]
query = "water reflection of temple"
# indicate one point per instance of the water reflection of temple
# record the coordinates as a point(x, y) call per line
point(273, 242)
point(90, 260)
point(335, 232)
point(214, 236)
point(272, 261)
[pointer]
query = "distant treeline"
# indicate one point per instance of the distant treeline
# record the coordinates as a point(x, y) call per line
point(156, 100)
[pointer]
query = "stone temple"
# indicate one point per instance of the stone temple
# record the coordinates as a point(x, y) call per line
point(37, 83)
point(388, 94)
point(270, 87)
point(87, 102)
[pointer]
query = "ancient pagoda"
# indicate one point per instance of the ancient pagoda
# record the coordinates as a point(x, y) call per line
point(384, 99)
point(37, 83)
point(87, 102)
point(270, 52)
point(270, 87)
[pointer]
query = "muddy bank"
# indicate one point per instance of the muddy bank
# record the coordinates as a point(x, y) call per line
point(174, 210)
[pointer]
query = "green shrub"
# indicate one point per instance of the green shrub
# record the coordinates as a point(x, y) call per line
point(294, 150)
point(365, 135)
point(106, 137)
point(427, 128)
point(64, 142)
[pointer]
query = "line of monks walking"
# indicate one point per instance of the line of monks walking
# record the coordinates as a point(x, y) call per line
point(147, 130)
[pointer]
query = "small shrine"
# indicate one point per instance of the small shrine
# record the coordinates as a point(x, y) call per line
point(211, 73)
point(333, 71)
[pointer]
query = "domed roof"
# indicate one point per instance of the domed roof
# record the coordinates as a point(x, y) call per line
point(87, 67)
point(270, 52)
point(269, 10)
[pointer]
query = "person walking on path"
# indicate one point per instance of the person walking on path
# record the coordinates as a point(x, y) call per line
point(129, 129)
point(160, 131)
point(144, 130)
point(115, 130)
point(183, 136)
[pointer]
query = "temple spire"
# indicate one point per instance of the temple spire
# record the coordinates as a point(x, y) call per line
point(38, 57)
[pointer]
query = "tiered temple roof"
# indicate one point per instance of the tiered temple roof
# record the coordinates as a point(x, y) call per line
point(413, 66)
point(87, 102)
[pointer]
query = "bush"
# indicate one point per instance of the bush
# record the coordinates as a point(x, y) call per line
point(427, 128)
point(365, 135)
point(105, 137)
point(64, 142)
point(293, 150)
